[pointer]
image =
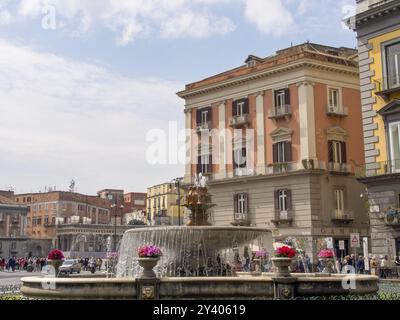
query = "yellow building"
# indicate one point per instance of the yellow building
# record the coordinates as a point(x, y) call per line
point(378, 28)
point(162, 204)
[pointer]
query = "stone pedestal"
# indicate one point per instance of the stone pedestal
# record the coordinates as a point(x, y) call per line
point(284, 288)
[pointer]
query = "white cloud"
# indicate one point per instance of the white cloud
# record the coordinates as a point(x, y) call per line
point(270, 17)
point(5, 17)
point(135, 18)
point(62, 119)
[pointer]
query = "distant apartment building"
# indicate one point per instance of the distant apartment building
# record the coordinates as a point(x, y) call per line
point(163, 207)
point(377, 24)
point(50, 212)
point(113, 195)
point(13, 217)
point(135, 207)
point(279, 139)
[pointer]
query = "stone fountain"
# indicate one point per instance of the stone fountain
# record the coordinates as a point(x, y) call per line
point(197, 249)
point(194, 266)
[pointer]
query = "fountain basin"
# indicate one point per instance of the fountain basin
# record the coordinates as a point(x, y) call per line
point(188, 250)
point(241, 287)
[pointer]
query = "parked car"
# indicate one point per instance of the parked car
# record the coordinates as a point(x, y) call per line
point(70, 266)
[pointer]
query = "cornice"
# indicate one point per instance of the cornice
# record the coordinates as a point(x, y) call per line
point(302, 63)
point(376, 13)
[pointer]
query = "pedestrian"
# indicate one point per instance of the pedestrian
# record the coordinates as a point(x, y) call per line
point(397, 263)
point(383, 266)
point(361, 264)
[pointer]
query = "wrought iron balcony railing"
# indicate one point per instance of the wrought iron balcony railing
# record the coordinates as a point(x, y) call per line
point(378, 169)
point(240, 121)
point(337, 111)
point(391, 82)
point(339, 167)
point(344, 216)
point(280, 112)
point(283, 217)
point(201, 127)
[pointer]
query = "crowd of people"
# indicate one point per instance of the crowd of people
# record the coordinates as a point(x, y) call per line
point(87, 262)
point(36, 264)
point(30, 264)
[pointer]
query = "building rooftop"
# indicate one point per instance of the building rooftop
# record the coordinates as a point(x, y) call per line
point(340, 56)
point(64, 196)
point(6, 200)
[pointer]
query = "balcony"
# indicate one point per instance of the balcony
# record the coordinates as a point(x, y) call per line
point(339, 167)
point(203, 127)
point(383, 168)
point(240, 172)
point(386, 86)
point(281, 167)
point(240, 121)
point(280, 112)
point(344, 216)
point(337, 111)
point(241, 219)
point(283, 217)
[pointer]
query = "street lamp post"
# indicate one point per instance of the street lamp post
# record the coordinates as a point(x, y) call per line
point(114, 205)
point(177, 182)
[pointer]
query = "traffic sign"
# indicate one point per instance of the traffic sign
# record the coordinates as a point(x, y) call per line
point(341, 245)
point(355, 240)
point(329, 243)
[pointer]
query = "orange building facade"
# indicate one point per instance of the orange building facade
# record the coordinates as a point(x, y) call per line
point(279, 140)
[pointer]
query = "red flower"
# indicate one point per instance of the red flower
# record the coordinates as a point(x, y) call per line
point(55, 255)
point(326, 253)
point(285, 252)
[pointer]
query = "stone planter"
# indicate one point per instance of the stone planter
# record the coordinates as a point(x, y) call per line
point(328, 264)
point(56, 264)
point(148, 265)
point(283, 265)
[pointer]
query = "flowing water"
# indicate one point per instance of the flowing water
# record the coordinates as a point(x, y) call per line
point(190, 251)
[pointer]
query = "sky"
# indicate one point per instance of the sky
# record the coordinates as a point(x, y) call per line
point(83, 83)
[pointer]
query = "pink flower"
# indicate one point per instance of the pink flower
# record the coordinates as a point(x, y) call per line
point(149, 252)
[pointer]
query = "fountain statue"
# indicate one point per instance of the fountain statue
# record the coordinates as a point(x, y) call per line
point(197, 249)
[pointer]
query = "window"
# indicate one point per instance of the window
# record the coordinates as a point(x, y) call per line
point(283, 203)
point(337, 151)
point(339, 200)
point(203, 116)
point(46, 220)
point(282, 152)
point(39, 221)
point(393, 65)
point(239, 158)
point(333, 97)
point(282, 197)
point(240, 107)
point(204, 164)
point(394, 142)
point(282, 100)
point(240, 206)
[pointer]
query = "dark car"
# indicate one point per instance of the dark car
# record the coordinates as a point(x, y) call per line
point(70, 266)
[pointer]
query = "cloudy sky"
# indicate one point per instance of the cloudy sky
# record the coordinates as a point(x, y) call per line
point(82, 82)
